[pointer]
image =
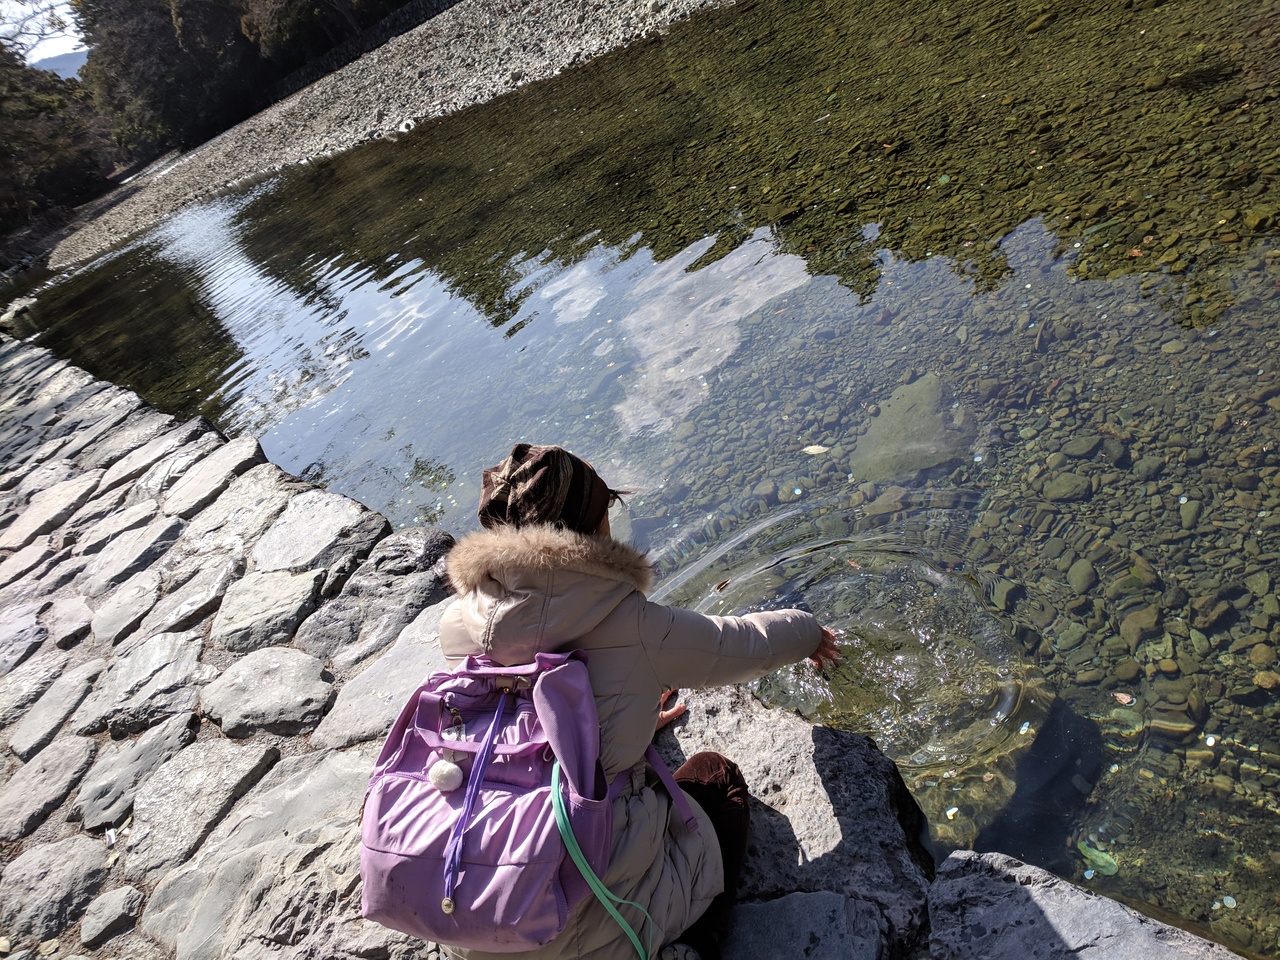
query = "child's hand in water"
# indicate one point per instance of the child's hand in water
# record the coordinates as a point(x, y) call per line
point(666, 716)
point(827, 651)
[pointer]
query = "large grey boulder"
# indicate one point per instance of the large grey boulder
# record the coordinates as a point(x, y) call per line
point(278, 690)
point(44, 719)
point(816, 926)
point(830, 814)
point(47, 888)
point(402, 577)
point(917, 430)
point(151, 679)
point(368, 705)
point(42, 784)
point(992, 907)
point(320, 531)
point(106, 793)
point(180, 804)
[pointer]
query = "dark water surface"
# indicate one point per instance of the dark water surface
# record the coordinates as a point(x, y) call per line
point(955, 323)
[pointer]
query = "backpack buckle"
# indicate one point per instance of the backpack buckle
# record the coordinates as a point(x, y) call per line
point(511, 683)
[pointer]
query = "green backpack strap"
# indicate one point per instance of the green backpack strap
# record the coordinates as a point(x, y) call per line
point(597, 885)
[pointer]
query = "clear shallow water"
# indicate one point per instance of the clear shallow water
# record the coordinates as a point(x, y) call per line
point(977, 363)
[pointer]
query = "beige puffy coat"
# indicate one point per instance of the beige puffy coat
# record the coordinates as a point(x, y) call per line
point(538, 589)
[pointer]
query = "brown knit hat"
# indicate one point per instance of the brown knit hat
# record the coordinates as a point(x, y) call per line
point(544, 485)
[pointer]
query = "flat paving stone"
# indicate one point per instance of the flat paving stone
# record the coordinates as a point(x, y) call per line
point(47, 473)
point(40, 786)
point(163, 474)
point(21, 633)
point(49, 509)
point(46, 716)
point(205, 480)
point(100, 521)
point(140, 427)
point(189, 604)
point(106, 793)
point(278, 690)
point(128, 554)
point(47, 887)
point(122, 612)
point(264, 609)
point(141, 459)
point(67, 621)
point(109, 914)
point(25, 560)
point(149, 680)
point(24, 685)
point(180, 804)
point(368, 704)
point(319, 530)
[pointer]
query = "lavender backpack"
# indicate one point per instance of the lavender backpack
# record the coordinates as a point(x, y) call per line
point(459, 839)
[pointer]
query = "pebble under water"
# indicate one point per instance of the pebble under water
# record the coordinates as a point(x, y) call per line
point(955, 324)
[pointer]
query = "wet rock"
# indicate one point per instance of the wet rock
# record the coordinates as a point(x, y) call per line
point(204, 481)
point(49, 509)
point(1189, 514)
point(148, 680)
point(368, 704)
point(264, 609)
point(1081, 576)
point(1262, 656)
point(1079, 448)
point(400, 579)
point(23, 686)
point(47, 887)
point(320, 531)
point(277, 690)
point(1207, 611)
point(128, 554)
point(106, 794)
point(109, 914)
point(43, 720)
point(917, 430)
point(1141, 624)
point(1067, 487)
point(180, 804)
point(1148, 468)
point(977, 898)
point(21, 634)
point(38, 787)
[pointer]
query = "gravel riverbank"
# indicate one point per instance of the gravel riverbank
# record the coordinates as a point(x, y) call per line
point(473, 52)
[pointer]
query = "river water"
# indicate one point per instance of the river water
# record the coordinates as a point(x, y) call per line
point(956, 324)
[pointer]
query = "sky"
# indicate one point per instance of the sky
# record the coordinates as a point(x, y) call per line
point(51, 47)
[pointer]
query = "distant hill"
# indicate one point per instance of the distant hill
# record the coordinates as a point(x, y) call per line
point(65, 65)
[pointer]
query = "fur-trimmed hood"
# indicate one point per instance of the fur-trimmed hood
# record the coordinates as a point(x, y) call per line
point(482, 555)
point(535, 589)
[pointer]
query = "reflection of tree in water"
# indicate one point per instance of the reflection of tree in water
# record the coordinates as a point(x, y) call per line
point(431, 475)
point(818, 122)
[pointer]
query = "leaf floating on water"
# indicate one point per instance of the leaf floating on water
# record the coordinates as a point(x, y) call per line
point(814, 449)
point(1097, 860)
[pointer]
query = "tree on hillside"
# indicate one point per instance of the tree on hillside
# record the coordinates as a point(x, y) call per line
point(24, 23)
point(49, 154)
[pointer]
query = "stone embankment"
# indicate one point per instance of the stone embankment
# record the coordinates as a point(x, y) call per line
point(200, 656)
